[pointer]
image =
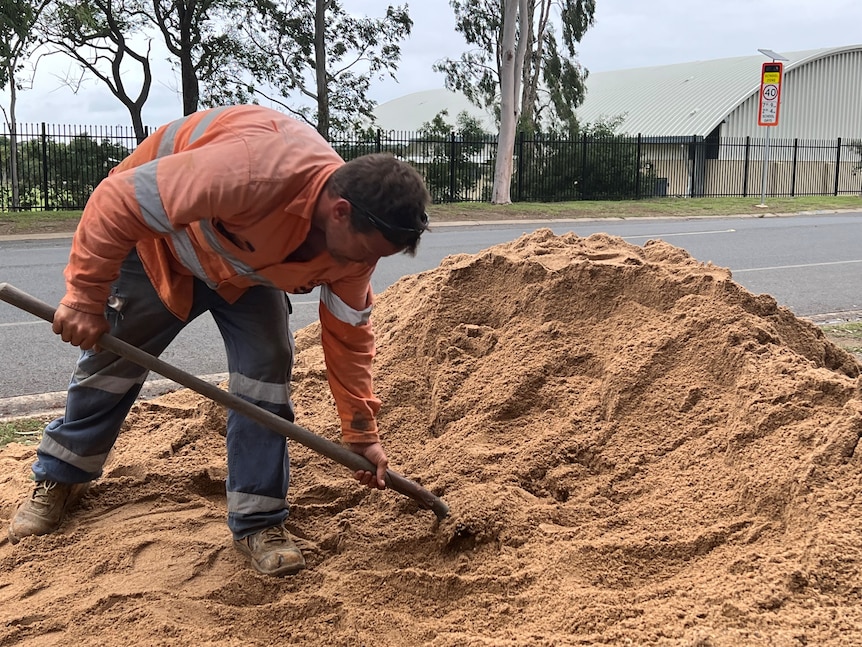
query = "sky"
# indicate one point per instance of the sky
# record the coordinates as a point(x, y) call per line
point(626, 34)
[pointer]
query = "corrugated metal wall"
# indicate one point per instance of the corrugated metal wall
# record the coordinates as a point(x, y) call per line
point(821, 99)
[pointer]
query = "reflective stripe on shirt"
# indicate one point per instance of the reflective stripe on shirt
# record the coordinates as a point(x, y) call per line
point(169, 139)
point(166, 146)
point(149, 200)
point(186, 254)
point(341, 310)
point(156, 218)
point(204, 123)
point(238, 266)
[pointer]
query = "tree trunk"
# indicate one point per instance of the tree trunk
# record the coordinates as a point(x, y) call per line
point(188, 74)
point(13, 143)
point(531, 73)
point(138, 125)
point(321, 7)
point(191, 94)
point(510, 73)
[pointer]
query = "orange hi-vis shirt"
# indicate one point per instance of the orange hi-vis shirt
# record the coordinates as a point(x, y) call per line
point(226, 195)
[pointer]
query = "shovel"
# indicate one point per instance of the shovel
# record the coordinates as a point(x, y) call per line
point(288, 429)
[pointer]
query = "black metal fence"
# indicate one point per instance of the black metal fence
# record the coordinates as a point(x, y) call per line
point(57, 167)
point(549, 169)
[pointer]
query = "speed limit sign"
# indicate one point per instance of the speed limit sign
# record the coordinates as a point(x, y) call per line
point(770, 93)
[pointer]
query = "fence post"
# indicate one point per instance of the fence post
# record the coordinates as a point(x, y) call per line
point(583, 166)
point(378, 141)
point(745, 168)
point(452, 152)
point(837, 165)
point(520, 165)
point(638, 171)
point(793, 177)
point(44, 168)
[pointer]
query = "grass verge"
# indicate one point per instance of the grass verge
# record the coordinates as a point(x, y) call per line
point(653, 207)
point(37, 222)
point(846, 335)
point(25, 222)
point(22, 430)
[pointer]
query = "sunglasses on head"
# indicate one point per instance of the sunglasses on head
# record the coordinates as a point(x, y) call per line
point(384, 227)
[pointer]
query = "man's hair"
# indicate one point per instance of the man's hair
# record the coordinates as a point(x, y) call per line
point(386, 194)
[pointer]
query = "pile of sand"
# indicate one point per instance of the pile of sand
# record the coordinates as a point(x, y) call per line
point(634, 448)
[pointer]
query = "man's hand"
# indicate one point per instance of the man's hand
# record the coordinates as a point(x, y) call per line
point(79, 328)
point(374, 453)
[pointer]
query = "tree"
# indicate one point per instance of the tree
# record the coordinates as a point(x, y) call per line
point(314, 59)
point(512, 54)
point(97, 35)
point(17, 18)
point(544, 87)
point(196, 33)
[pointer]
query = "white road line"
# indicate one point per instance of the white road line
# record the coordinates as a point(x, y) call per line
point(22, 323)
point(793, 267)
point(685, 233)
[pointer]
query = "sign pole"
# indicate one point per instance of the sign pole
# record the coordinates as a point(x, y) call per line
point(770, 105)
point(764, 171)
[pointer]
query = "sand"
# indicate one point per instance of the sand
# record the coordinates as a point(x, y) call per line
point(635, 450)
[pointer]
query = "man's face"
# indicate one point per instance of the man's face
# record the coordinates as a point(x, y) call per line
point(347, 245)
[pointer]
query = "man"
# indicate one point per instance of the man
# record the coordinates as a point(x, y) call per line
point(224, 211)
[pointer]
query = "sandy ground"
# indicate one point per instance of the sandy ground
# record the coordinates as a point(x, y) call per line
point(635, 451)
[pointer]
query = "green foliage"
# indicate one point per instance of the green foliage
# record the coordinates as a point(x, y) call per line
point(455, 159)
point(609, 167)
point(197, 33)
point(73, 170)
point(317, 67)
point(477, 73)
point(552, 81)
point(16, 36)
point(856, 145)
point(597, 164)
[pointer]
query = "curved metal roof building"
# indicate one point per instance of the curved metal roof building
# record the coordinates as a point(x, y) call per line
point(821, 98)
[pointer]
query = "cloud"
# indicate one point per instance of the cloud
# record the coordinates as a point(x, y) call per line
point(627, 34)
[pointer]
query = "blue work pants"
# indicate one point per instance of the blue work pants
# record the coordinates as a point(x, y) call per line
point(104, 387)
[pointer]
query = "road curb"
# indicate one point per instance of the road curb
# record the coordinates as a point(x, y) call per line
point(36, 236)
point(532, 221)
point(52, 404)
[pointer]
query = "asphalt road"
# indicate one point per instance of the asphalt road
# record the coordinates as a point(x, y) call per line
point(809, 263)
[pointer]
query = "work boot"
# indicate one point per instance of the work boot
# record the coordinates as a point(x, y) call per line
point(43, 512)
point(272, 551)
